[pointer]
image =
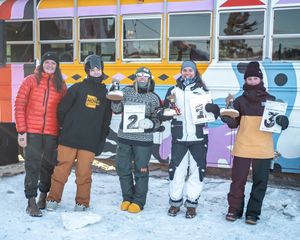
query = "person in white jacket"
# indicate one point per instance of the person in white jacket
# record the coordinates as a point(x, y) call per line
point(189, 141)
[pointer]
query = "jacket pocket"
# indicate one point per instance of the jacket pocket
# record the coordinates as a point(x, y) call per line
point(176, 129)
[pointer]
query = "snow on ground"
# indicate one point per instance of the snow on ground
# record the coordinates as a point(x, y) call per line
point(280, 217)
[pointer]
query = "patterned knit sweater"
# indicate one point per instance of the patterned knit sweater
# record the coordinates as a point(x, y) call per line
point(131, 97)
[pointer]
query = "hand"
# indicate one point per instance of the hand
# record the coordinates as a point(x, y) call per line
point(213, 108)
point(22, 139)
point(146, 123)
point(227, 119)
point(282, 121)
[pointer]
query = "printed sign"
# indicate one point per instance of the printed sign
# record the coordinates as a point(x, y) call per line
point(272, 109)
point(199, 115)
point(132, 115)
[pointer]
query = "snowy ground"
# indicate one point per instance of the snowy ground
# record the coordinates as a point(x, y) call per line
point(280, 215)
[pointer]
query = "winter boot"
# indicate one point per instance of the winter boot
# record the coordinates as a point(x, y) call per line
point(173, 211)
point(190, 212)
point(32, 209)
point(231, 216)
point(252, 220)
point(125, 205)
point(42, 200)
point(80, 207)
point(134, 208)
point(51, 205)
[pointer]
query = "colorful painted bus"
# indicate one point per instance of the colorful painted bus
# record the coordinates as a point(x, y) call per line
point(221, 36)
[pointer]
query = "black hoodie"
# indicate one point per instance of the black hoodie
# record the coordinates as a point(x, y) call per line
point(84, 115)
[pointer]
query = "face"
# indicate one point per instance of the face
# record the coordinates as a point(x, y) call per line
point(142, 77)
point(252, 81)
point(95, 72)
point(49, 66)
point(188, 72)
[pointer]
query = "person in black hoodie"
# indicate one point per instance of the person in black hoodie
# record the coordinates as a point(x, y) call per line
point(252, 146)
point(84, 117)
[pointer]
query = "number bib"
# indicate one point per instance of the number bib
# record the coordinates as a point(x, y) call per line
point(132, 115)
point(199, 115)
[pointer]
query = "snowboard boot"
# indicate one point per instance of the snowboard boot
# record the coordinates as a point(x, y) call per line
point(42, 201)
point(80, 207)
point(51, 205)
point(134, 208)
point(190, 212)
point(173, 211)
point(32, 209)
point(125, 205)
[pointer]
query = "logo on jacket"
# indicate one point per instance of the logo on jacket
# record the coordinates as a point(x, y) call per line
point(92, 101)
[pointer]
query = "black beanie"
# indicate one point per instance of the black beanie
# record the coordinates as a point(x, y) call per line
point(50, 56)
point(253, 70)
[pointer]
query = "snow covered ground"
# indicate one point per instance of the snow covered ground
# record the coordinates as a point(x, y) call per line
point(280, 217)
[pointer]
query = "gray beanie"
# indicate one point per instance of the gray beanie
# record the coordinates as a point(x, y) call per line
point(189, 63)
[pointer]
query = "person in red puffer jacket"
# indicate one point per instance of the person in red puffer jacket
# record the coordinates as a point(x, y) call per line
point(37, 125)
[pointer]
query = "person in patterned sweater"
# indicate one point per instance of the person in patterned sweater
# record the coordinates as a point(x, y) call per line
point(135, 138)
point(251, 147)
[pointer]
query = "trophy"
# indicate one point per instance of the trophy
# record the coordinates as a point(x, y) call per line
point(229, 110)
point(115, 94)
point(173, 110)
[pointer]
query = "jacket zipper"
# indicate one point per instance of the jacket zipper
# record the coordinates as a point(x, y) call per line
point(44, 98)
point(46, 103)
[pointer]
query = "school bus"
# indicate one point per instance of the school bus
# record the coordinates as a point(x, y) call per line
point(221, 36)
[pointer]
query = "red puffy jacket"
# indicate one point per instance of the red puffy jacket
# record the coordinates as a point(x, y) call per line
point(36, 105)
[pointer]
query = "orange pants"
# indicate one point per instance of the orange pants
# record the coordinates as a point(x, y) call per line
point(66, 157)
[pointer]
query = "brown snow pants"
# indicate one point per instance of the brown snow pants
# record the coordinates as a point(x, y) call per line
point(66, 157)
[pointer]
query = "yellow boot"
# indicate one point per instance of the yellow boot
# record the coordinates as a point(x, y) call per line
point(124, 205)
point(134, 208)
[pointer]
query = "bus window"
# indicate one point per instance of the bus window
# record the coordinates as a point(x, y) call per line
point(141, 38)
point(20, 45)
point(98, 35)
point(241, 36)
point(286, 35)
point(189, 36)
point(57, 36)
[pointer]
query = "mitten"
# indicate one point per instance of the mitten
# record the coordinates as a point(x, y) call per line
point(282, 121)
point(213, 108)
point(22, 139)
point(228, 120)
point(146, 123)
point(160, 115)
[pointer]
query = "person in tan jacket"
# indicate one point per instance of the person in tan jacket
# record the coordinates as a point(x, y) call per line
point(251, 147)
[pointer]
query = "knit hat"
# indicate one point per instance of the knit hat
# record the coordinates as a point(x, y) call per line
point(50, 56)
point(143, 70)
point(253, 70)
point(189, 63)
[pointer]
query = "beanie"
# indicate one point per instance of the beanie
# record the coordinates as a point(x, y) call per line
point(50, 56)
point(189, 63)
point(143, 70)
point(253, 70)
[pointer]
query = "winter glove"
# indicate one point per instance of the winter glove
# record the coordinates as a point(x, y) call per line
point(22, 139)
point(213, 108)
point(228, 120)
point(160, 115)
point(146, 123)
point(282, 121)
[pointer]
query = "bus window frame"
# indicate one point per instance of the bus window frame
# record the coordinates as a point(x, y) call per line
point(284, 36)
point(22, 42)
point(97, 40)
point(263, 37)
point(121, 34)
point(210, 38)
point(72, 41)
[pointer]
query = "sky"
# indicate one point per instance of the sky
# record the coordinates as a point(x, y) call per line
point(280, 217)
